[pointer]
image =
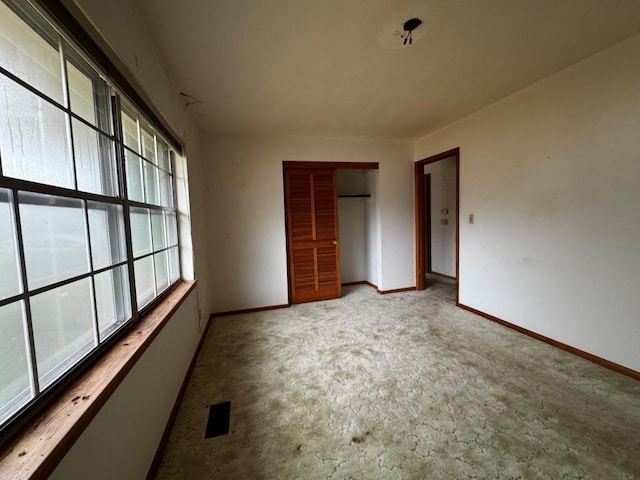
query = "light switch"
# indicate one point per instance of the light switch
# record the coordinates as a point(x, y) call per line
point(444, 211)
point(444, 221)
point(471, 218)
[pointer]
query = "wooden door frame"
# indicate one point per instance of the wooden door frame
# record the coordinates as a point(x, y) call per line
point(427, 198)
point(420, 216)
point(295, 164)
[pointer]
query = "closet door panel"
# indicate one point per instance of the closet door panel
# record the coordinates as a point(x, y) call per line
point(301, 208)
point(304, 280)
point(327, 274)
point(325, 207)
point(312, 232)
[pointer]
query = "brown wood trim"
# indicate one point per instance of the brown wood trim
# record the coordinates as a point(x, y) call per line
point(361, 282)
point(291, 274)
point(440, 156)
point(313, 244)
point(313, 228)
point(336, 234)
point(249, 310)
point(331, 165)
point(420, 215)
point(555, 343)
point(442, 275)
point(312, 192)
point(36, 451)
point(457, 224)
point(428, 220)
point(397, 290)
point(157, 458)
point(419, 224)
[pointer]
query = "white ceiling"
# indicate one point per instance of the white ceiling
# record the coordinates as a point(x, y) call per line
point(337, 68)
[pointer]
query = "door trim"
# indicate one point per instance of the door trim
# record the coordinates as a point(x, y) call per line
point(330, 165)
point(420, 216)
point(427, 195)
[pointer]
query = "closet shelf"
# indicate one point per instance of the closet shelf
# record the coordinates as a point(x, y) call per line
point(355, 195)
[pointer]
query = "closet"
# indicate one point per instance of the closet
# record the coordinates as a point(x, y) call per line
point(333, 228)
point(358, 226)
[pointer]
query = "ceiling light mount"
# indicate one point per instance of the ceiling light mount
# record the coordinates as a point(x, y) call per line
point(409, 26)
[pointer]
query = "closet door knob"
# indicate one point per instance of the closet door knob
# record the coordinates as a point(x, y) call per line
point(334, 242)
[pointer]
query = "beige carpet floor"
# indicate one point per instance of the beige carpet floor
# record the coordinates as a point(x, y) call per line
point(400, 386)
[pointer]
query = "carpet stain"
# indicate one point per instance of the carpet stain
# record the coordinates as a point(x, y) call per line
point(360, 438)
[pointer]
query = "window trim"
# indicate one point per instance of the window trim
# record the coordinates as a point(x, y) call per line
point(42, 443)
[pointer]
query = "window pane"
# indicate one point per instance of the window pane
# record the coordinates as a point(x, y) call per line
point(95, 164)
point(174, 264)
point(106, 226)
point(145, 283)
point(88, 92)
point(55, 242)
point(134, 176)
point(162, 271)
point(166, 193)
point(112, 300)
point(130, 132)
point(33, 137)
point(163, 154)
point(15, 387)
point(157, 231)
point(148, 147)
point(172, 228)
point(81, 94)
point(140, 231)
point(28, 55)
point(9, 267)
point(151, 184)
point(62, 328)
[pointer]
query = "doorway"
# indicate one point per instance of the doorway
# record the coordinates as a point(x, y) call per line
point(311, 220)
point(437, 240)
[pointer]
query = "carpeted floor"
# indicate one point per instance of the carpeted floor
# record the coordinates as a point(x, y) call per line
point(402, 386)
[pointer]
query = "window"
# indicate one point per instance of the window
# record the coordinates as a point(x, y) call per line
point(88, 224)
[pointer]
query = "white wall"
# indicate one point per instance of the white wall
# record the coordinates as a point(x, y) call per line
point(353, 229)
point(359, 226)
point(551, 174)
point(372, 222)
point(443, 196)
point(192, 219)
point(352, 224)
point(123, 29)
point(122, 439)
point(246, 214)
point(350, 181)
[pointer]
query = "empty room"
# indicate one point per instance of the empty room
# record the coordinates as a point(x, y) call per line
point(319, 239)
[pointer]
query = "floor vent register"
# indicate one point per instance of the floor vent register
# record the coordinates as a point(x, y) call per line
point(218, 422)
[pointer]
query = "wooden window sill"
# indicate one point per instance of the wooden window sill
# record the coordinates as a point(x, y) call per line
point(36, 451)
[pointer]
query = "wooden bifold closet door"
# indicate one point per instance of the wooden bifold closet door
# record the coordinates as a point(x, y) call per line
point(312, 230)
